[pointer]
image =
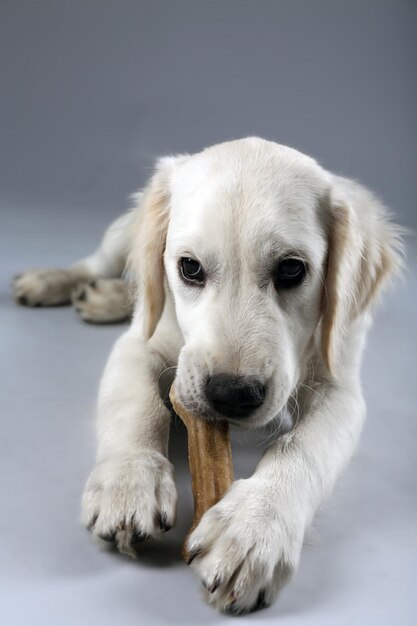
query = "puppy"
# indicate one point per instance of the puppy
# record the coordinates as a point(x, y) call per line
point(255, 273)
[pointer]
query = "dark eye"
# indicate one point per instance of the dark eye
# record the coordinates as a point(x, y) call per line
point(191, 270)
point(289, 273)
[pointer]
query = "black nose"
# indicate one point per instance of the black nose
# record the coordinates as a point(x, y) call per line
point(234, 396)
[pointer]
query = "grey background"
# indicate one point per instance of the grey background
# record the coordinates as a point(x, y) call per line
point(91, 92)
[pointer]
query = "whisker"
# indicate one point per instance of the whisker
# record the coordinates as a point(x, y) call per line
point(305, 386)
point(295, 409)
point(171, 367)
point(275, 426)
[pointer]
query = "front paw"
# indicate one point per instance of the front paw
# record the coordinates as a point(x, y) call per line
point(245, 548)
point(127, 501)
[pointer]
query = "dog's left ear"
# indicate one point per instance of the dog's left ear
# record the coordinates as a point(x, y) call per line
point(148, 238)
point(365, 250)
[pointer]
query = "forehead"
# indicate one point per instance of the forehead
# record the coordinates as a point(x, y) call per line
point(248, 197)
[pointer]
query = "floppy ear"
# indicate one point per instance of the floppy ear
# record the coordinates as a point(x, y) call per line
point(365, 250)
point(148, 239)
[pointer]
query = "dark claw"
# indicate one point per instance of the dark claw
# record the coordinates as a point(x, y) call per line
point(82, 296)
point(110, 538)
point(232, 608)
point(23, 300)
point(260, 602)
point(93, 284)
point(163, 524)
point(138, 537)
point(216, 584)
point(192, 555)
point(92, 522)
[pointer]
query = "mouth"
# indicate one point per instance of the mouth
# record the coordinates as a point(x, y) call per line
point(196, 405)
point(200, 411)
point(208, 414)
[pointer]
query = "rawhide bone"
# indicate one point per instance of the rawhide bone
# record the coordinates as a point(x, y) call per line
point(210, 461)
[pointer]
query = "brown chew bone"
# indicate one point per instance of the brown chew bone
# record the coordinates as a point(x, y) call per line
point(210, 460)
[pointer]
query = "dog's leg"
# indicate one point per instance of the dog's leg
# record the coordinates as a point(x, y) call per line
point(248, 545)
point(54, 286)
point(130, 494)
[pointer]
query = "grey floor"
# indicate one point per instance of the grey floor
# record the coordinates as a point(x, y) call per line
point(358, 563)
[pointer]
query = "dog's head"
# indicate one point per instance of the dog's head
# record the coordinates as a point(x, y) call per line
point(268, 259)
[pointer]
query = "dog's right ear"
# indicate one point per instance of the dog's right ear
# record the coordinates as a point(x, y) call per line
point(146, 256)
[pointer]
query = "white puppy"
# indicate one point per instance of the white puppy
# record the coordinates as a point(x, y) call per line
point(255, 272)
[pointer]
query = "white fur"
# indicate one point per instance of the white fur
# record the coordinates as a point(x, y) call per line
point(236, 207)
